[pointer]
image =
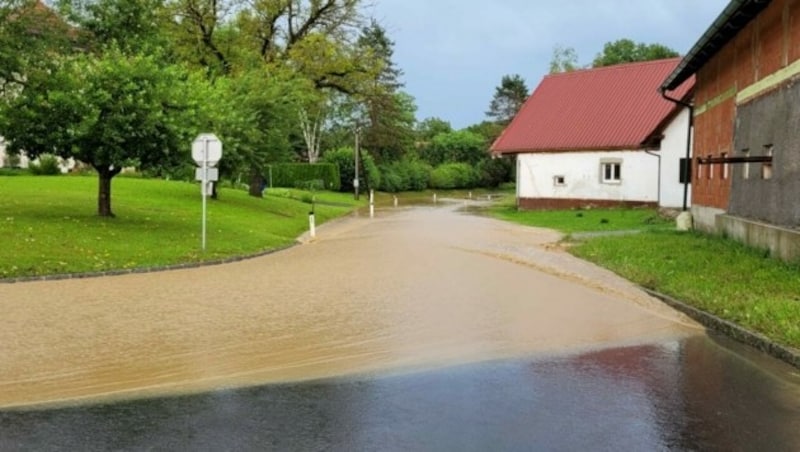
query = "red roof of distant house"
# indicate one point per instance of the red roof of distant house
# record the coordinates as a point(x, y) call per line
point(615, 107)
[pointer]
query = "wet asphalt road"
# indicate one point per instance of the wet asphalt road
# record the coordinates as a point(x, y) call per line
point(699, 393)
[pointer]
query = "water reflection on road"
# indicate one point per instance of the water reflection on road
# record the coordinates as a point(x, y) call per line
point(691, 394)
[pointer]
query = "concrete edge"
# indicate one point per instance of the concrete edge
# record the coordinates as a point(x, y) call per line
point(138, 270)
point(758, 341)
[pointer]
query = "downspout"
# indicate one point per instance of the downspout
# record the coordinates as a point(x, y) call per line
point(688, 144)
point(658, 156)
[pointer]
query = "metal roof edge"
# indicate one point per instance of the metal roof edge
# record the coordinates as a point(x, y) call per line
point(721, 31)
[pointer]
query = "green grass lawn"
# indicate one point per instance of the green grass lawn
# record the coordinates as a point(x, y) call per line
point(719, 276)
point(49, 224)
point(583, 220)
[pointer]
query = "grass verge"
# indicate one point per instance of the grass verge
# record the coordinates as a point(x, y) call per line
point(584, 220)
point(719, 276)
point(49, 225)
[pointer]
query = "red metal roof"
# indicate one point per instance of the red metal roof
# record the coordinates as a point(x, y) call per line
point(615, 107)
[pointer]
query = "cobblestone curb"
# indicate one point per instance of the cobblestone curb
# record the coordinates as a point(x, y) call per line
point(130, 271)
point(732, 330)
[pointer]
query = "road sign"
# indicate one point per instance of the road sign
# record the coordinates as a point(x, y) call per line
point(212, 174)
point(207, 148)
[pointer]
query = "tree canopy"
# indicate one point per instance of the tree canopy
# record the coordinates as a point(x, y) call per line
point(564, 59)
point(628, 51)
point(508, 99)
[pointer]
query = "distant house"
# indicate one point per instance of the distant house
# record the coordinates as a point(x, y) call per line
point(600, 137)
point(747, 124)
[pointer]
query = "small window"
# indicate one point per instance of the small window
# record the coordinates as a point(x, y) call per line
point(611, 172)
point(746, 169)
point(710, 168)
point(559, 181)
point(700, 169)
point(766, 167)
point(724, 167)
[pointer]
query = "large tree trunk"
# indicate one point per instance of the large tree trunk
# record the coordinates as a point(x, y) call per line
point(256, 184)
point(105, 173)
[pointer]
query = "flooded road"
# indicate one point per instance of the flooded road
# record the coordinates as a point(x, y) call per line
point(423, 329)
point(689, 394)
point(413, 288)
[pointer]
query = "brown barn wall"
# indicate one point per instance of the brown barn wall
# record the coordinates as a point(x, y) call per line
point(768, 44)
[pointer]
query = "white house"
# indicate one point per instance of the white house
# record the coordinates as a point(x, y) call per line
point(600, 137)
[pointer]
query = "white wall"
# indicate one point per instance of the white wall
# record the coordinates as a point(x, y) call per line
point(673, 148)
point(581, 171)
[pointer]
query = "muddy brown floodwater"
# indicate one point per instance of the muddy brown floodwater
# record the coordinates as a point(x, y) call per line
point(418, 288)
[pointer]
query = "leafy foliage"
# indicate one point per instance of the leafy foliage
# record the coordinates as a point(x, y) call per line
point(628, 51)
point(461, 146)
point(508, 99)
point(45, 165)
point(290, 174)
point(344, 158)
point(453, 175)
point(110, 111)
point(30, 34)
point(564, 59)
point(405, 175)
point(430, 127)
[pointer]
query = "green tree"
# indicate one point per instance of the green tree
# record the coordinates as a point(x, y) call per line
point(430, 127)
point(564, 59)
point(110, 111)
point(508, 99)
point(455, 147)
point(131, 25)
point(489, 130)
point(628, 51)
point(389, 113)
point(32, 37)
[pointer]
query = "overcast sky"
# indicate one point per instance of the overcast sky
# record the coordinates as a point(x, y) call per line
point(454, 52)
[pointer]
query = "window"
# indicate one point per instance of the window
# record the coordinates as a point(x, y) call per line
point(710, 168)
point(611, 172)
point(559, 181)
point(746, 169)
point(766, 167)
point(724, 167)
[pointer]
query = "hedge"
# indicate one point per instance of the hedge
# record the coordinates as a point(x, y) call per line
point(304, 175)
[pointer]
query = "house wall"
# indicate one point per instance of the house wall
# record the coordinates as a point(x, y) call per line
point(738, 92)
point(673, 149)
point(537, 188)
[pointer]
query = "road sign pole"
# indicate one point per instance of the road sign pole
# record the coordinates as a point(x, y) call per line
point(204, 188)
point(206, 152)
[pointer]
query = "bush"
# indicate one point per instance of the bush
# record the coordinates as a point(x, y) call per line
point(344, 159)
point(454, 175)
point(405, 175)
point(300, 175)
point(47, 165)
point(310, 185)
point(493, 172)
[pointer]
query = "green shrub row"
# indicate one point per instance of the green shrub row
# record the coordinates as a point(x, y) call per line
point(454, 175)
point(405, 175)
point(309, 176)
point(369, 175)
